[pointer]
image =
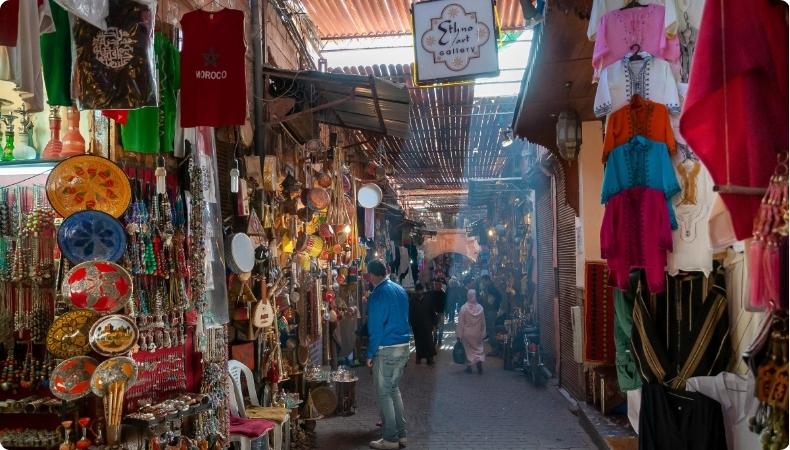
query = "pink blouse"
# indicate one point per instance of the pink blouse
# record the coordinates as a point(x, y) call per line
point(636, 234)
point(619, 30)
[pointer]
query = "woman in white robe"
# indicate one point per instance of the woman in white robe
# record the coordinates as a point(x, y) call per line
point(471, 330)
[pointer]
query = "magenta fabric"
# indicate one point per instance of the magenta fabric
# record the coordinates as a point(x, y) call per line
point(252, 428)
point(619, 30)
point(755, 85)
point(636, 234)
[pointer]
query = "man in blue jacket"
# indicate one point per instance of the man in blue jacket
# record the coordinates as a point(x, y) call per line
point(388, 351)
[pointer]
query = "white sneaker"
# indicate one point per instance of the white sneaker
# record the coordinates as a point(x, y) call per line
point(381, 444)
point(403, 441)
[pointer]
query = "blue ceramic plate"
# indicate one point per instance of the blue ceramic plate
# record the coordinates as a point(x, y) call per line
point(91, 235)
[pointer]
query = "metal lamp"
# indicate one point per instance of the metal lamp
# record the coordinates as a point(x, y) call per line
point(569, 133)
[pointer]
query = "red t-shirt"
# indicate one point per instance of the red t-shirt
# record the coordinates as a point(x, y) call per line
point(9, 23)
point(213, 89)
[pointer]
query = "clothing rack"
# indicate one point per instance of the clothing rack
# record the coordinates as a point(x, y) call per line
point(735, 189)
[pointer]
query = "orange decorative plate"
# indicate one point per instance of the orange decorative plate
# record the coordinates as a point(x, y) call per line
point(88, 182)
point(71, 379)
point(68, 334)
point(115, 369)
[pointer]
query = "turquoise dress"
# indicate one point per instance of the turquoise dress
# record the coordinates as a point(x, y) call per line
point(640, 162)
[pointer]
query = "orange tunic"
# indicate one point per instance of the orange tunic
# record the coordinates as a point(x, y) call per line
point(639, 118)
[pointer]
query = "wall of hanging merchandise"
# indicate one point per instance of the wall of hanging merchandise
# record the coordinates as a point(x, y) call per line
point(694, 257)
point(147, 254)
point(101, 303)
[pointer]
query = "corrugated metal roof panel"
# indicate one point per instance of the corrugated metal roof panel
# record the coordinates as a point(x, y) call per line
point(360, 112)
point(370, 18)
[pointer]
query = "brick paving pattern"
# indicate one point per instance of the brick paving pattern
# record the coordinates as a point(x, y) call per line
point(447, 409)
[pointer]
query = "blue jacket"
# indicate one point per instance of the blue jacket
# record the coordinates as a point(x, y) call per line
point(388, 317)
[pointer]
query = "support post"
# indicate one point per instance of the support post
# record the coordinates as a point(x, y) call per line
point(257, 8)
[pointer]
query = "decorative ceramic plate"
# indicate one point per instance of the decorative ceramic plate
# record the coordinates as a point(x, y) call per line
point(68, 335)
point(88, 182)
point(113, 335)
point(71, 379)
point(92, 235)
point(115, 369)
point(102, 286)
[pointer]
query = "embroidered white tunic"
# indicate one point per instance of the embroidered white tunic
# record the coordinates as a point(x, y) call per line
point(651, 78)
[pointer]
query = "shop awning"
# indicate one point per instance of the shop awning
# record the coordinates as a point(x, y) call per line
point(560, 53)
point(362, 102)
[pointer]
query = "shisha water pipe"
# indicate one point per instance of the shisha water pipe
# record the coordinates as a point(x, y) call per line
point(23, 148)
point(8, 148)
point(55, 145)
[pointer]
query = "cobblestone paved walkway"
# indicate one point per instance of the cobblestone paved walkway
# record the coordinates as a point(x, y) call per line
point(447, 409)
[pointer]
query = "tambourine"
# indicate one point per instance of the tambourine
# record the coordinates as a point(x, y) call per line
point(369, 195)
point(240, 253)
point(318, 198)
point(311, 244)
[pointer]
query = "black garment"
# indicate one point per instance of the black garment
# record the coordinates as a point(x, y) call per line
point(679, 420)
point(422, 318)
point(415, 267)
point(439, 301)
point(114, 67)
point(491, 300)
point(683, 332)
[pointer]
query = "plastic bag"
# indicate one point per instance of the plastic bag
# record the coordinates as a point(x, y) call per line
point(92, 11)
point(459, 354)
point(115, 68)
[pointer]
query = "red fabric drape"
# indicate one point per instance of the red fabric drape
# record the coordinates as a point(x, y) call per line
point(755, 47)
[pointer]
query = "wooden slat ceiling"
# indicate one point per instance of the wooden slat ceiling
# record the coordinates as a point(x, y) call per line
point(370, 18)
point(454, 137)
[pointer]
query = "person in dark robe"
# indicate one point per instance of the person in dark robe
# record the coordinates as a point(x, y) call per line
point(422, 318)
point(491, 299)
point(438, 298)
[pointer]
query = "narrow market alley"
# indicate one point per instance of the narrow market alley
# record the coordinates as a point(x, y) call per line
point(448, 409)
point(394, 224)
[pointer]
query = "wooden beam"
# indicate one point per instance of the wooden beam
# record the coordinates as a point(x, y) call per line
point(372, 81)
point(322, 107)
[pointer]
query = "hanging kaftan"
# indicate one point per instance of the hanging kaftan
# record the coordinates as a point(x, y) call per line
point(650, 77)
point(639, 118)
point(683, 332)
point(636, 234)
point(620, 30)
point(640, 162)
point(601, 7)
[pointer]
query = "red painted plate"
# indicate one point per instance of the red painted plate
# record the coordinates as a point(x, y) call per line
point(71, 379)
point(101, 286)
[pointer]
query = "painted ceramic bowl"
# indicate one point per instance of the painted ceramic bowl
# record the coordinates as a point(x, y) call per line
point(88, 182)
point(71, 379)
point(68, 335)
point(113, 370)
point(101, 286)
point(90, 236)
point(113, 335)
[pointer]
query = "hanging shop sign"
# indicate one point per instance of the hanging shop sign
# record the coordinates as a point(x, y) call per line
point(454, 40)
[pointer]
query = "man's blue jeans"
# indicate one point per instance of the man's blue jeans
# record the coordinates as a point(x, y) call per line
point(387, 372)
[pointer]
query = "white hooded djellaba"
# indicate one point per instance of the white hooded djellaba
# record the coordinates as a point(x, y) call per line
point(471, 328)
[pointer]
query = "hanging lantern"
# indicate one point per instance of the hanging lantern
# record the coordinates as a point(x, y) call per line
point(569, 134)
